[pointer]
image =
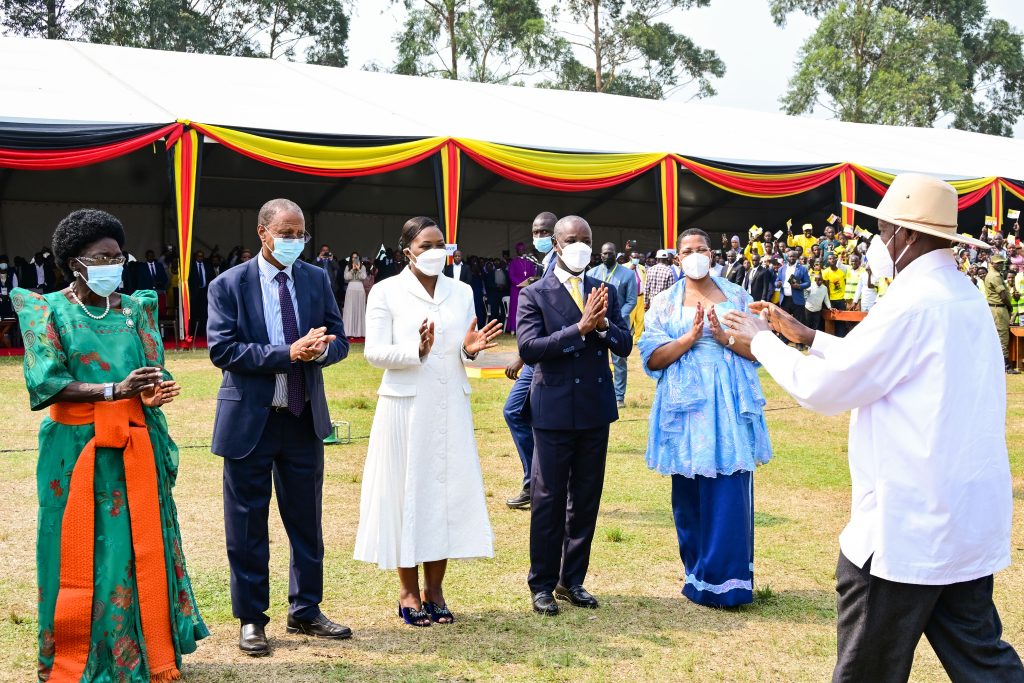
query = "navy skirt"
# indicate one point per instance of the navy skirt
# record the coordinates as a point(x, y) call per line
point(715, 524)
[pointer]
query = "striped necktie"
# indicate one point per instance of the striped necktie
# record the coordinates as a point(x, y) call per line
point(290, 324)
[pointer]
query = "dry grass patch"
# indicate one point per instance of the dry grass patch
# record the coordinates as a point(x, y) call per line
point(645, 630)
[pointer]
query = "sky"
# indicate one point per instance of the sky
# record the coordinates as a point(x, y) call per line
point(759, 56)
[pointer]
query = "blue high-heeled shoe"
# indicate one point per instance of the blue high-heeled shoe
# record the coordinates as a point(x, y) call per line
point(413, 616)
point(437, 613)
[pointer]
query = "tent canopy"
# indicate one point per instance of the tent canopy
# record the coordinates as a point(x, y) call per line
point(55, 81)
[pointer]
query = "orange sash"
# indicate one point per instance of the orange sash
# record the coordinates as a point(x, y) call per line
point(119, 424)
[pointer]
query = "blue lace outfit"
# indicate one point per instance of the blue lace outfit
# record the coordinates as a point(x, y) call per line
point(707, 430)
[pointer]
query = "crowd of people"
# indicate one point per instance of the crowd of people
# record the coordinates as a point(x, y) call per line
point(932, 498)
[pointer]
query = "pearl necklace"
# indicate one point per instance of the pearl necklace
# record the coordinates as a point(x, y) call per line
point(86, 310)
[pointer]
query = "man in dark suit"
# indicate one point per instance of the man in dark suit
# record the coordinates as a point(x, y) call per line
point(459, 270)
point(149, 274)
point(199, 278)
point(272, 418)
point(793, 280)
point(567, 325)
point(736, 269)
point(759, 280)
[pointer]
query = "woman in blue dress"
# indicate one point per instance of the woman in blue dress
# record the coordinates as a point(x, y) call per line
point(707, 425)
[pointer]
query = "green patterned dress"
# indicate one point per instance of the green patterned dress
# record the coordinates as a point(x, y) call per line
point(63, 345)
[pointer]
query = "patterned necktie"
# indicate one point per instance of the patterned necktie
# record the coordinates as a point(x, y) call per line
point(575, 291)
point(296, 380)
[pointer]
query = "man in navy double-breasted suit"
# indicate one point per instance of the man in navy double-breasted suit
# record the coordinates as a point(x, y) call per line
point(567, 324)
point(272, 418)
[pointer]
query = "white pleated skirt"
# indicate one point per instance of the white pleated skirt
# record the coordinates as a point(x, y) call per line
point(422, 492)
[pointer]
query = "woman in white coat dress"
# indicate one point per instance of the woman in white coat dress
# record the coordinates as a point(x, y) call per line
point(423, 493)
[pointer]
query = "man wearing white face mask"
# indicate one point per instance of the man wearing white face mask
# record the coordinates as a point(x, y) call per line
point(932, 495)
point(567, 325)
point(272, 418)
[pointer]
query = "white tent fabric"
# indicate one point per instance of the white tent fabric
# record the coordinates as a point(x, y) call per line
point(56, 81)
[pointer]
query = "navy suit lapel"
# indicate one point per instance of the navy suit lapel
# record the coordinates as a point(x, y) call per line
point(303, 292)
point(252, 295)
point(560, 298)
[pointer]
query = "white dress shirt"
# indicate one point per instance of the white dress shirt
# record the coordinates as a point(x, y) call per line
point(275, 326)
point(788, 271)
point(816, 297)
point(456, 270)
point(923, 375)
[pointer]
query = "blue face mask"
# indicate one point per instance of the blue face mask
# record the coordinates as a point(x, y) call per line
point(634, 261)
point(102, 280)
point(542, 244)
point(287, 251)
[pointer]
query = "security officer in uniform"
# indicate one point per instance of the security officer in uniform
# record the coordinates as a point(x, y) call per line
point(998, 297)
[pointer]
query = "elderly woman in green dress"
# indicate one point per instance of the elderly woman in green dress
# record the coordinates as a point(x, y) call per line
point(115, 601)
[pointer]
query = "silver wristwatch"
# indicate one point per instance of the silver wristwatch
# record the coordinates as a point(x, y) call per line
point(108, 391)
point(732, 341)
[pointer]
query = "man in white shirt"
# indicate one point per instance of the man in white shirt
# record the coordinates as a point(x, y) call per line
point(815, 299)
point(932, 495)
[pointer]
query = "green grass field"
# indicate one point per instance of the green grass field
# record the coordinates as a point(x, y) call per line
point(644, 631)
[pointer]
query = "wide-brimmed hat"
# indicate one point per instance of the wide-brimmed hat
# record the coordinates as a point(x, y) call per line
point(922, 203)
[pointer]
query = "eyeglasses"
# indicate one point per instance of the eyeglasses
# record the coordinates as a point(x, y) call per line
point(100, 261)
point(305, 236)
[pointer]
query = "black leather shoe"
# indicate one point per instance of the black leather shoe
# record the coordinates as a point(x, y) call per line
point(520, 502)
point(544, 603)
point(577, 595)
point(321, 627)
point(252, 640)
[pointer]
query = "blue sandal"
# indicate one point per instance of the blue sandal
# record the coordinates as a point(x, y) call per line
point(437, 613)
point(413, 616)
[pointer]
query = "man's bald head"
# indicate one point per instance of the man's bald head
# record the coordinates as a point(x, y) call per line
point(572, 224)
point(275, 208)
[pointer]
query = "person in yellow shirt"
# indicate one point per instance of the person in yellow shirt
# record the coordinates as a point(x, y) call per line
point(804, 241)
point(755, 246)
point(853, 272)
point(835, 278)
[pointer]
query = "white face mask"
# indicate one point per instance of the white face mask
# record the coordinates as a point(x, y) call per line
point(576, 256)
point(430, 262)
point(882, 265)
point(696, 266)
point(102, 280)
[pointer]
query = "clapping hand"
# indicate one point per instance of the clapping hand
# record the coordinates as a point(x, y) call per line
point(160, 394)
point(312, 345)
point(426, 337)
point(697, 330)
point(595, 311)
point(782, 322)
point(745, 326)
point(717, 330)
point(481, 340)
point(139, 380)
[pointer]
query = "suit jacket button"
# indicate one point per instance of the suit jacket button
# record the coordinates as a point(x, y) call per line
point(599, 353)
point(577, 380)
point(577, 354)
point(600, 379)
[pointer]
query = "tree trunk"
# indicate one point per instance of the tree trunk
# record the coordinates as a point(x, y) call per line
point(598, 85)
point(453, 70)
point(51, 20)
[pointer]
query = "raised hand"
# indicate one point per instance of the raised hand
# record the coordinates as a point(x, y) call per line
point(782, 322)
point(426, 337)
point(160, 394)
point(310, 346)
point(717, 330)
point(697, 330)
point(138, 381)
point(595, 310)
point(481, 340)
point(744, 326)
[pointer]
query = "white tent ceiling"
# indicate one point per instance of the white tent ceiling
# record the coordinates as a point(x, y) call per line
point(56, 81)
